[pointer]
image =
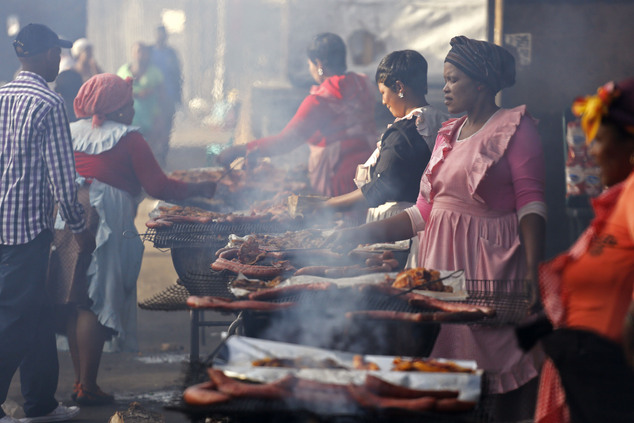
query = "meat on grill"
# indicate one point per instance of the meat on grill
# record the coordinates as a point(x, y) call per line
point(204, 394)
point(248, 270)
point(426, 302)
point(224, 304)
point(237, 389)
point(284, 291)
point(374, 394)
point(437, 316)
point(367, 399)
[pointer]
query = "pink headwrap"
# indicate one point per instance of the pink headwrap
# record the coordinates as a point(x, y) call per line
point(102, 94)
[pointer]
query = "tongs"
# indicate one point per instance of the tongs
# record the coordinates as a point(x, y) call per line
point(228, 170)
point(422, 286)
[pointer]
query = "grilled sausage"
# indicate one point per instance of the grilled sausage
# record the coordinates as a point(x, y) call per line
point(204, 394)
point(228, 254)
point(374, 261)
point(390, 315)
point(393, 263)
point(312, 271)
point(248, 270)
point(436, 316)
point(223, 304)
point(284, 291)
point(237, 389)
point(423, 301)
point(367, 399)
point(158, 223)
point(314, 392)
point(387, 254)
point(427, 302)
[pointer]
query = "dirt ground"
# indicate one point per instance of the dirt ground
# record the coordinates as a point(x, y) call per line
point(157, 372)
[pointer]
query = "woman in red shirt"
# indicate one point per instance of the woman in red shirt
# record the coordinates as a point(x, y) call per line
point(587, 291)
point(97, 294)
point(336, 120)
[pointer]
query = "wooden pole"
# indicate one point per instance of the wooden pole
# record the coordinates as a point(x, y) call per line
point(498, 34)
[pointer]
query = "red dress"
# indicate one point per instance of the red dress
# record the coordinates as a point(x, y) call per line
point(130, 166)
point(337, 121)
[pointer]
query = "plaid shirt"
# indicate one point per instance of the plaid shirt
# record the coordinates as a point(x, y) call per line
point(36, 161)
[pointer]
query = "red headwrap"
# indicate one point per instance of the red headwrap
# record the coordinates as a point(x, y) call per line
point(102, 94)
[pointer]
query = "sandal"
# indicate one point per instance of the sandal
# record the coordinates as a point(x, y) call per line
point(98, 397)
point(76, 386)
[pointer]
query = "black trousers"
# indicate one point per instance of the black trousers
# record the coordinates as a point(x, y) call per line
point(27, 339)
point(598, 382)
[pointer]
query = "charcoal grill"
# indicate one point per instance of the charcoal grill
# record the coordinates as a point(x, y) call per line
point(250, 410)
point(269, 411)
point(319, 319)
point(511, 299)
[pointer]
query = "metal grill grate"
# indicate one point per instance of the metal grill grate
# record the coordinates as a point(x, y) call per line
point(185, 235)
point(510, 298)
point(209, 283)
point(172, 298)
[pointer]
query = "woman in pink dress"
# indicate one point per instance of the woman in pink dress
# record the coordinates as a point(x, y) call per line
point(480, 208)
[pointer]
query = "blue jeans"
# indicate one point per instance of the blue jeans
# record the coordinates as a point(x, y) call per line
point(27, 338)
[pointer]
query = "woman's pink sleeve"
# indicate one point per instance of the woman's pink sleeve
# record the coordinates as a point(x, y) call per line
point(419, 214)
point(311, 115)
point(526, 161)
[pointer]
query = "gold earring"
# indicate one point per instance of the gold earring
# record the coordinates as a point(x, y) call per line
point(401, 95)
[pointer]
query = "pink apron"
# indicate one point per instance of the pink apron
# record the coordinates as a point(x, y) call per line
point(462, 232)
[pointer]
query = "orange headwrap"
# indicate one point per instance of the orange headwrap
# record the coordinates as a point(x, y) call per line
point(102, 94)
point(591, 109)
point(614, 101)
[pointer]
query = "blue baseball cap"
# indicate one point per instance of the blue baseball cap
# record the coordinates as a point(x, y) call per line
point(35, 39)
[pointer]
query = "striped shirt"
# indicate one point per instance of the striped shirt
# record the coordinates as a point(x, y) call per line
point(36, 161)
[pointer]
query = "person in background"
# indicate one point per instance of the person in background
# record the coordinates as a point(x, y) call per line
point(336, 119)
point(392, 173)
point(587, 291)
point(67, 61)
point(481, 209)
point(38, 168)
point(166, 59)
point(67, 85)
point(149, 93)
point(85, 62)
point(389, 180)
point(99, 293)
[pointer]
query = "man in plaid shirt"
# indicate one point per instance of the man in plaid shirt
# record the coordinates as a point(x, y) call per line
point(37, 168)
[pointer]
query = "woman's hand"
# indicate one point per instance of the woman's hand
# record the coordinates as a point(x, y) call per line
point(202, 189)
point(392, 229)
point(228, 155)
point(532, 280)
point(344, 240)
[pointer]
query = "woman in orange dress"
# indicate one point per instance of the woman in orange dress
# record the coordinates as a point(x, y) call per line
point(587, 290)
